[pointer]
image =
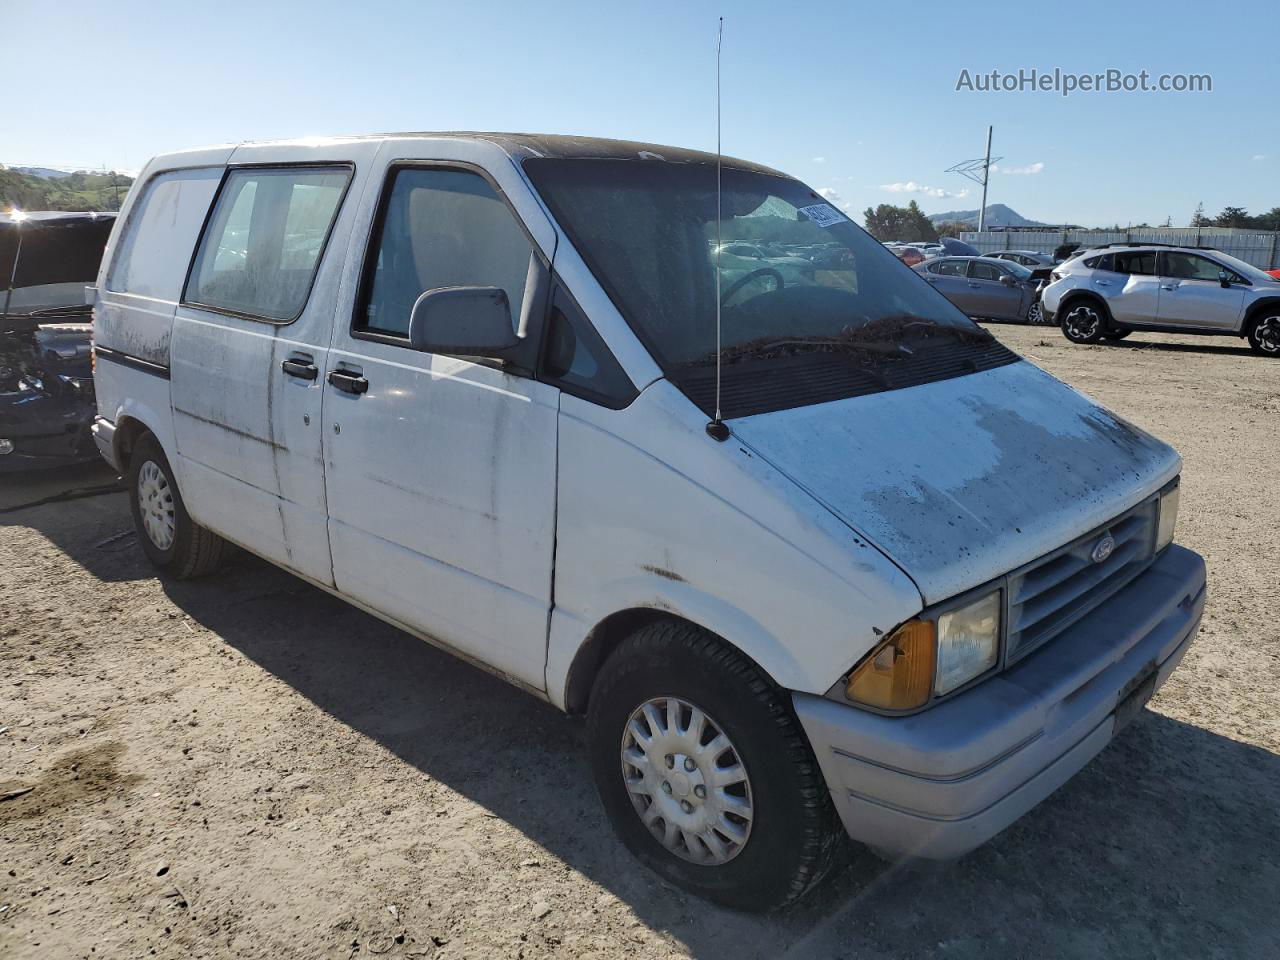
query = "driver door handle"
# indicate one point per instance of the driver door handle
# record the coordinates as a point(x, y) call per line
point(348, 381)
point(1169, 286)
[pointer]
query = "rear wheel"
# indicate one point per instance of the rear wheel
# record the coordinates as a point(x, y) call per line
point(170, 538)
point(1083, 322)
point(1264, 335)
point(705, 773)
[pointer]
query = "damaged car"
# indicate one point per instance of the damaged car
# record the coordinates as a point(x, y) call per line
point(46, 381)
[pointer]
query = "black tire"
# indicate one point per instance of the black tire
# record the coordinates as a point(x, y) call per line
point(1264, 333)
point(794, 836)
point(1116, 334)
point(1035, 314)
point(192, 551)
point(1084, 321)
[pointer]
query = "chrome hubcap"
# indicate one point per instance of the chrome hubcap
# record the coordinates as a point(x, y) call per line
point(1083, 322)
point(1268, 335)
point(155, 502)
point(687, 781)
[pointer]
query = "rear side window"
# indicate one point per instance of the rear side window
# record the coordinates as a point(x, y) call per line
point(950, 268)
point(983, 271)
point(1142, 263)
point(260, 250)
point(441, 228)
point(154, 249)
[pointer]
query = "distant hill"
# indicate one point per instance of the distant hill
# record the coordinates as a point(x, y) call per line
point(44, 173)
point(998, 215)
point(72, 191)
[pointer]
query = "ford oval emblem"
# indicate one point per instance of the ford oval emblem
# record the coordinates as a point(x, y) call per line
point(1103, 548)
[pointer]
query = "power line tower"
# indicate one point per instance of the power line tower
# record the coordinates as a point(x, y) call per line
point(979, 171)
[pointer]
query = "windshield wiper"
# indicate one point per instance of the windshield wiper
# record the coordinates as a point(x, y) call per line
point(884, 337)
point(773, 346)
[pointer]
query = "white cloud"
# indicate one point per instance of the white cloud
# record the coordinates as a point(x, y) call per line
point(833, 198)
point(1259, 156)
point(1020, 171)
point(819, 159)
point(910, 186)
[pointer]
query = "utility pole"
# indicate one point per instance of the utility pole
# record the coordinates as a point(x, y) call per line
point(979, 171)
point(986, 175)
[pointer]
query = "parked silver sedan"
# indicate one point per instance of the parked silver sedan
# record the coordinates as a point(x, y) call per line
point(986, 288)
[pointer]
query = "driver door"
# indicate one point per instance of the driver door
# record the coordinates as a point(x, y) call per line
point(1192, 294)
point(441, 470)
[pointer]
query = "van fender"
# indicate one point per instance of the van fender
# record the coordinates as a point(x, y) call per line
point(136, 414)
point(578, 645)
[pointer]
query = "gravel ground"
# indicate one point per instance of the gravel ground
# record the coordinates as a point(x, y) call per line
point(245, 767)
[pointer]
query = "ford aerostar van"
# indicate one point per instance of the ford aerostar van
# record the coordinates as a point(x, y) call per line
point(851, 565)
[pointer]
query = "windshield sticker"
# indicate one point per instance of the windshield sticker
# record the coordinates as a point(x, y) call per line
point(823, 214)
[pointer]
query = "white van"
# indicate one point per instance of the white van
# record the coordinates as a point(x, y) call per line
point(905, 583)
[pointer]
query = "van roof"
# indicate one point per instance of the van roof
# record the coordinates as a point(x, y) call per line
point(525, 145)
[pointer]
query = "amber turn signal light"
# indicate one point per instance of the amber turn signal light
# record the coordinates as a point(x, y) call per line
point(898, 674)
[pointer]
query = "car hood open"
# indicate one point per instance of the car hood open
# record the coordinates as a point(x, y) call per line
point(962, 480)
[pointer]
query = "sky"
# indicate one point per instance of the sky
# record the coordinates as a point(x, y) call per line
point(855, 99)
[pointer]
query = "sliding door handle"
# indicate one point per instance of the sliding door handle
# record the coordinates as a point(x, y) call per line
point(302, 369)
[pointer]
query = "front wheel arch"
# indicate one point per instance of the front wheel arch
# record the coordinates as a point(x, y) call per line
point(605, 638)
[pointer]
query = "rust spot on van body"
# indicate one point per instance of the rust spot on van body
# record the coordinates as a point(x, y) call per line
point(663, 572)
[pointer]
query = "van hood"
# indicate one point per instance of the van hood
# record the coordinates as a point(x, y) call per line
point(962, 480)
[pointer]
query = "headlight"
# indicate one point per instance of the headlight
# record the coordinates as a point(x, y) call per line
point(929, 656)
point(1168, 516)
point(968, 642)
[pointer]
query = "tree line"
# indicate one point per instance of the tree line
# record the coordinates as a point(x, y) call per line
point(76, 191)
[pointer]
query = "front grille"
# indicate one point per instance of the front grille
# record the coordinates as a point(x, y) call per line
point(1053, 592)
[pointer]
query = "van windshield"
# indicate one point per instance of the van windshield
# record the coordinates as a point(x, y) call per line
point(797, 276)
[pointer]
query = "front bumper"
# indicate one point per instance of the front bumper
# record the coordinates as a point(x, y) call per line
point(45, 432)
point(940, 783)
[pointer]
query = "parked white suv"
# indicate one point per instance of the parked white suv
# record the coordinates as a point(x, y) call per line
point(1109, 292)
point(905, 582)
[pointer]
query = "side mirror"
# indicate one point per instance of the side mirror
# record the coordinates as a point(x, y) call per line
point(463, 321)
point(1224, 278)
point(1007, 280)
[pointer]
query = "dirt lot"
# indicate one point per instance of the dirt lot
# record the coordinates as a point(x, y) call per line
point(243, 766)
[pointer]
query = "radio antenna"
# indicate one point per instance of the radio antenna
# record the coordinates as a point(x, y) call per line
point(717, 429)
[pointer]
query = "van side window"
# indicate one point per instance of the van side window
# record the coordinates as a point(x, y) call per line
point(575, 359)
point(263, 243)
point(440, 228)
point(154, 250)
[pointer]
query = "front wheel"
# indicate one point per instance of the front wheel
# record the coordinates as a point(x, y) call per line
point(705, 773)
point(1083, 323)
point(1035, 314)
point(1264, 335)
point(171, 540)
